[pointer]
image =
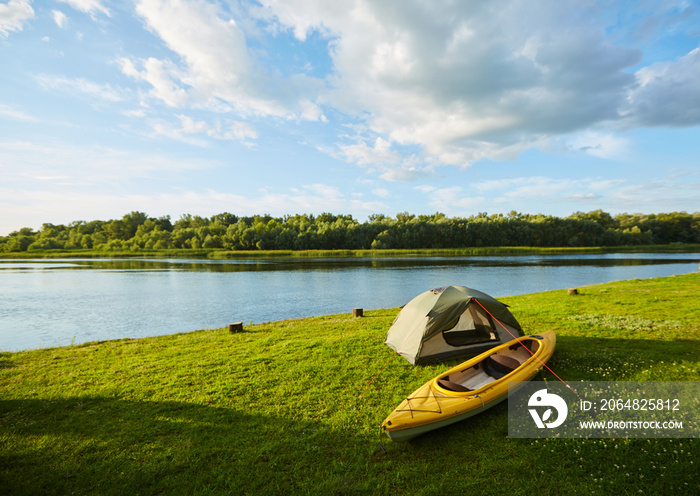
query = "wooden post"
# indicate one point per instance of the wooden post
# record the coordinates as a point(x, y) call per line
point(235, 327)
point(573, 291)
point(357, 312)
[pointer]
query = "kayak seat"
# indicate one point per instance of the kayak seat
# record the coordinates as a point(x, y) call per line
point(498, 366)
point(452, 386)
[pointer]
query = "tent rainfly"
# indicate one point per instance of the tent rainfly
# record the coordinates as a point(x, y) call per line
point(450, 322)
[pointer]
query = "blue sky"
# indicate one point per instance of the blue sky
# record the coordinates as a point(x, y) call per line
point(353, 107)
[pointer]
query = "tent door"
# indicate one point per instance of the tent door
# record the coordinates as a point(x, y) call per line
point(474, 326)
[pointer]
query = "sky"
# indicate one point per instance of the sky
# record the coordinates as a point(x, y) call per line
point(173, 107)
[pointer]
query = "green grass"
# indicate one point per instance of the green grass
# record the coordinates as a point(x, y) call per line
point(215, 253)
point(294, 407)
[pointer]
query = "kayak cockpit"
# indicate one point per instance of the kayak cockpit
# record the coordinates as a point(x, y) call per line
point(490, 369)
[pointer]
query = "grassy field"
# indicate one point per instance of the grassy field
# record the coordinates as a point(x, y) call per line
point(294, 407)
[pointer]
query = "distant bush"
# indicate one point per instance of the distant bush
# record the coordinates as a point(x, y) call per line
point(136, 231)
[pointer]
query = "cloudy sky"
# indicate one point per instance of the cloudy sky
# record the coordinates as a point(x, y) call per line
point(346, 106)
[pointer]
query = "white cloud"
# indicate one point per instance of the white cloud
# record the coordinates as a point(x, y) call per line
point(233, 130)
point(667, 94)
point(192, 131)
point(424, 188)
point(454, 85)
point(222, 78)
point(13, 113)
point(605, 184)
point(377, 153)
point(314, 198)
point(585, 197)
point(404, 174)
point(138, 113)
point(607, 146)
point(191, 29)
point(323, 190)
point(382, 157)
point(473, 81)
point(523, 190)
point(13, 15)
point(505, 195)
point(103, 92)
point(310, 111)
point(91, 7)
point(59, 18)
point(161, 75)
point(457, 201)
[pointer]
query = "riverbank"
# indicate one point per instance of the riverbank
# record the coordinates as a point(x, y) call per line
point(294, 407)
point(457, 252)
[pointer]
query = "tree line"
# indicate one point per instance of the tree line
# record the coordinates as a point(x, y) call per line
point(137, 231)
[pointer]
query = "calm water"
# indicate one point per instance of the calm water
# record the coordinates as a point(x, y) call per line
point(55, 302)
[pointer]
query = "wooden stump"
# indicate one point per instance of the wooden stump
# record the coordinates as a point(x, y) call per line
point(357, 312)
point(573, 291)
point(235, 327)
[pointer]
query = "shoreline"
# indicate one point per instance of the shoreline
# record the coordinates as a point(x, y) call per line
point(217, 254)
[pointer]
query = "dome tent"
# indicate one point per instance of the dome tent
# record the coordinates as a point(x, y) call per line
point(450, 322)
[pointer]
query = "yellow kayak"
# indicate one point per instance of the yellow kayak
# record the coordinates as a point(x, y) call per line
point(469, 388)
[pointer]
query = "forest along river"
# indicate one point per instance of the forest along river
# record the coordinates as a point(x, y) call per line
point(46, 303)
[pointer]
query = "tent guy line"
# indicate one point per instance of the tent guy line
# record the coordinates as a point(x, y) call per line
point(530, 351)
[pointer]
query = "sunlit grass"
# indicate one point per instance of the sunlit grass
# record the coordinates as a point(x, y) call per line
point(628, 323)
point(294, 407)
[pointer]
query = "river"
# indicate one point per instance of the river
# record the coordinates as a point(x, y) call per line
point(45, 303)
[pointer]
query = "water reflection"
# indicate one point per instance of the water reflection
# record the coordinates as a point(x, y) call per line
point(56, 302)
point(340, 263)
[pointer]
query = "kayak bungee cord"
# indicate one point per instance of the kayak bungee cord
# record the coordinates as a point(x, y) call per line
point(528, 349)
point(411, 409)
